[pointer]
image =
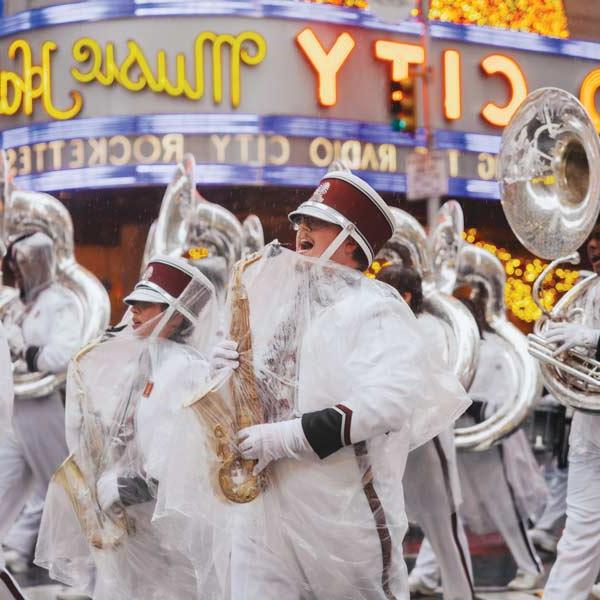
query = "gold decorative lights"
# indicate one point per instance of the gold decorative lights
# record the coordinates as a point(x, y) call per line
point(520, 276)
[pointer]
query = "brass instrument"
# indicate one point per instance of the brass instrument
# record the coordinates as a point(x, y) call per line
point(103, 530)
point(409, 245)
point(550, 193)
point(35, 211)
point(478, 267)
point(235, 477)
point(209, 235)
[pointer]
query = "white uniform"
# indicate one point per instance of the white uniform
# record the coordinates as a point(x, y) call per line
point(345, 353)
point(51, 329)
point(122, 395)
point(578, 554)
point(6, 385)
point(144, 566)
point(433, 496)
point(6, 403)
point(502, 487)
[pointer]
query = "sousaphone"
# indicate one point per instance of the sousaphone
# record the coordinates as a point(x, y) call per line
point(549, 176)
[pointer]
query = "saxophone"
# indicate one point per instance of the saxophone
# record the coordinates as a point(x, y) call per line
point(234, 476)
point(102, 529)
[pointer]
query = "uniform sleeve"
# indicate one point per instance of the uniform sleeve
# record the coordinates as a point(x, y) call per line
point(63, 340)
point(391, 383)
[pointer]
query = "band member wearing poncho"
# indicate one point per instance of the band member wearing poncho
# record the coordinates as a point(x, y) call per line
point(42, 336)
point(578, 553)
point(8, 587)
point(503, 488)
point(431, 482)
point(345, 388)
point(122, 394)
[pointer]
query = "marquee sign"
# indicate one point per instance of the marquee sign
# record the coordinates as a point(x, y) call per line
point(303, 92)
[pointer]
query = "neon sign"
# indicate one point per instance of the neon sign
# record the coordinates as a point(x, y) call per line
point(218, 62)
point(248, 48)
point(135, 73)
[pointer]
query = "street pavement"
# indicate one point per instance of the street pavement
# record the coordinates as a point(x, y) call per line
point(492, 565)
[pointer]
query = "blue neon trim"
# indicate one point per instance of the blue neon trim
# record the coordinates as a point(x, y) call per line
point(473, 188)
point(504, 38)
point(207, 123)
point(214, 174)
point(467, 142)
point(96, 10)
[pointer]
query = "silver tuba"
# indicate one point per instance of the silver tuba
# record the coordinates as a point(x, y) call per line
point(550, 192)
point(478, 267)
point(409, 245)
point(207, 234)
point(35, 211)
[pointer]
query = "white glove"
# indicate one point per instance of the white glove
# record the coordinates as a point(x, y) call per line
point(272, 441)
point(107, 490)
point(14, 337)
point(569, 335)
point(224, 356)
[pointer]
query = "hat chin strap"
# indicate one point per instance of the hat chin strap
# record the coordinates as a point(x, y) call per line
point(337, 242)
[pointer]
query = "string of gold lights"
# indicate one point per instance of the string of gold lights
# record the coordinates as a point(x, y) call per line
point(545, 17)
point(521, 273)
point(520, 276)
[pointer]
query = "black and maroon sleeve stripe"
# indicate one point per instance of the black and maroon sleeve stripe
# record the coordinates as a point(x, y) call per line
point(31, 356)
point(328, 430)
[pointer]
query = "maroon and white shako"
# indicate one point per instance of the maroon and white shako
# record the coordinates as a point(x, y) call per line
point(350, 202)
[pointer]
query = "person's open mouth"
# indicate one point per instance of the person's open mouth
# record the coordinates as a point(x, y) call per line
point(305, 245)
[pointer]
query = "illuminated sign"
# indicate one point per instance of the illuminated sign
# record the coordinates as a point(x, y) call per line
point(326, 64)
point(177, 75)
point(18, 91)
point(135, 72)
point(280, 97)
point(247, 47)
point(244, 149)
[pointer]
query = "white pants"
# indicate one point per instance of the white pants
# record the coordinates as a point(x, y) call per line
point(23, 534)
point(578, 559)
point(557, 497)
point(429, 496)
point(486, 472)
point(28, 458)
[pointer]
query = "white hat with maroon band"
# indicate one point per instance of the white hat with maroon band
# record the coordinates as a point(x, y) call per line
point(164, 280)
point(346, 200)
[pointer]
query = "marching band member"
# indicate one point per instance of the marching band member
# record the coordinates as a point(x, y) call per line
point(431, 482)
point(502, 486)
point(134, 381)
point(43, 339)
point(346, 387)
point(8, 586)
point(543, 535)
point(578, 553)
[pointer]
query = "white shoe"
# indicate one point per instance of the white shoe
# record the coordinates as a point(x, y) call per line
point(525, 581)
point(596, 591)
point(67, 594)
point(543, 539)
point(418, 587)
point(15, 561)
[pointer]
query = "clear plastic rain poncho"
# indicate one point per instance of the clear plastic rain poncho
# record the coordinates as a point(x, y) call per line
point(496, 379)
point(33, 258)
point(6, 385)
point(312, 336)
point(122, 395)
